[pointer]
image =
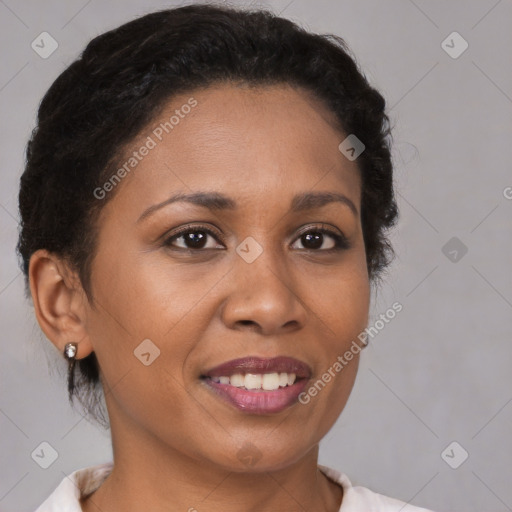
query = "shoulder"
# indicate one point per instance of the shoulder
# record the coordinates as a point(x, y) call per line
point(78, 484)
point(356, 499)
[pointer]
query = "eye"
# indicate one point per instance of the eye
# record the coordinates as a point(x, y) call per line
point(314, 238)
point(195, 237)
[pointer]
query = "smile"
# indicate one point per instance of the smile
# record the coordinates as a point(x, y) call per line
point(266, 381)
point(259, 385)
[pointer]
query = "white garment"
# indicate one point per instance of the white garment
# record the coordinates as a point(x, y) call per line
point(85, 481)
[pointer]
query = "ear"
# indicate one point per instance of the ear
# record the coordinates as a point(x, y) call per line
point(60, 302)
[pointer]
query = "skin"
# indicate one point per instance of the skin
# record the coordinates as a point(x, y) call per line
point(176, 445)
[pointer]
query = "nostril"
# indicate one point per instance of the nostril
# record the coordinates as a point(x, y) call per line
point(247, 322)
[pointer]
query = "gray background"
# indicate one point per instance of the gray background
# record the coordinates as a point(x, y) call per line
point(440, 371)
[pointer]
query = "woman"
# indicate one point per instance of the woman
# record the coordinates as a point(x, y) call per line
point(204, 211)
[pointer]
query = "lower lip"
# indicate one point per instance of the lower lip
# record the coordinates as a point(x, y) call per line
point(258, 401)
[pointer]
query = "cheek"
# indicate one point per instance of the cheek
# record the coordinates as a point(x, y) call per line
point(341, 302)
point(145, 297)
point(342, 309)
point(143, 307)
point(142, 336)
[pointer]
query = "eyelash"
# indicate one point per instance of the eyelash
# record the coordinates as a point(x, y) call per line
point(341, 242)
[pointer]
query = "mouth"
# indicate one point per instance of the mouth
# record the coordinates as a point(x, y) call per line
point(259, 385)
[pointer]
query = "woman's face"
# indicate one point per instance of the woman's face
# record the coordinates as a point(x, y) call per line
point(168, 309)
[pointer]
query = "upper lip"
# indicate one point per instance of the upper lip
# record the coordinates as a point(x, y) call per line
point(281, 364)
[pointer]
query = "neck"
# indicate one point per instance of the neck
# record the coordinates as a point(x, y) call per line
point(150, 476)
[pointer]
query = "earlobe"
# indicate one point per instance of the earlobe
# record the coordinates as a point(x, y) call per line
point(59, 303)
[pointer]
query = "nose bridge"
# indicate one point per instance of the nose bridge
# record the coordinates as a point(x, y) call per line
point(263, 292)
point(261, 264)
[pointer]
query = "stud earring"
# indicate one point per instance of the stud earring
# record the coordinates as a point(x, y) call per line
point(70, 353)
point(70, 350)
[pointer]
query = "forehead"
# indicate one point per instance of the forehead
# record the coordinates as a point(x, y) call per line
point(255, 143)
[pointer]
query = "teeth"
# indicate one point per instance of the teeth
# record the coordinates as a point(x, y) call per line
point(266, 381)
point(252, 381)
point(236, 380)
point(270, 381)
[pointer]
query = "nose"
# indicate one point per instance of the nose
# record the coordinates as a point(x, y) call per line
point(264, 297)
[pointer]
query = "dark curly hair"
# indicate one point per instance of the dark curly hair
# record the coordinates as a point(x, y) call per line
point(105, 98)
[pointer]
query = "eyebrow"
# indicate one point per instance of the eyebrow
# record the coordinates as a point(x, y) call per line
point(218, 201)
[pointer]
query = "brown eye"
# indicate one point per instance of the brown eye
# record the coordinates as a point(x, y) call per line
point(192, 238)
point(314, 239)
